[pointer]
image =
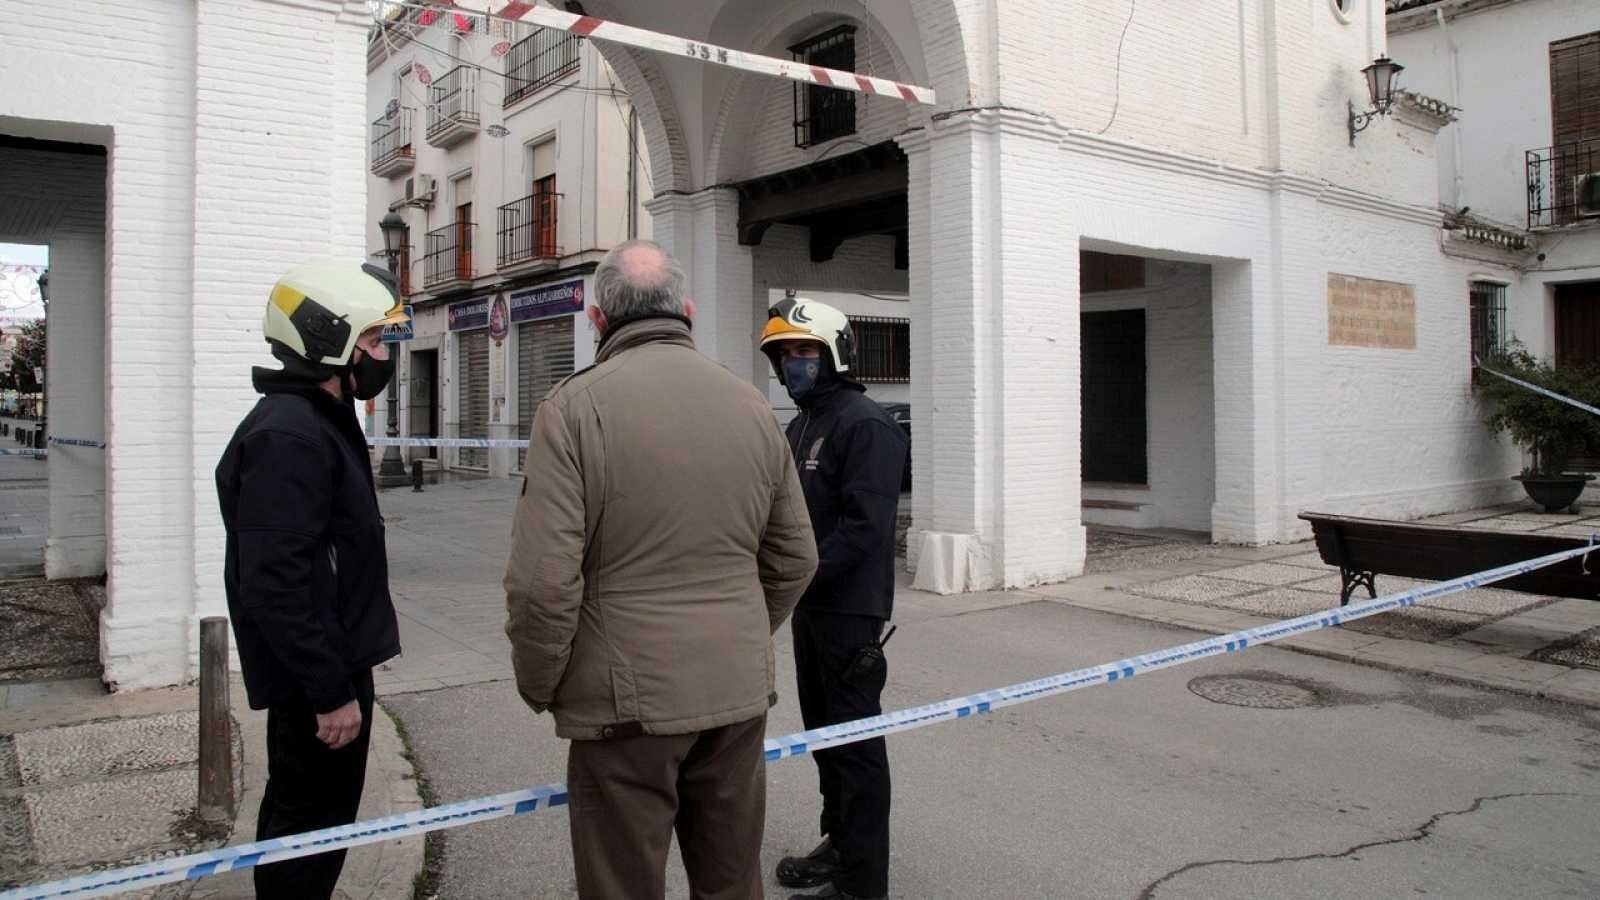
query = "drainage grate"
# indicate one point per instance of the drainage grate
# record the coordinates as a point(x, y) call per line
point(1255, 691)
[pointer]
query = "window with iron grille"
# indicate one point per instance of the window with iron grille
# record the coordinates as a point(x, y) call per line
point(883, 349)
point(1564, 179)
point(539, 60)
point(824, 113)
point(1488, 316)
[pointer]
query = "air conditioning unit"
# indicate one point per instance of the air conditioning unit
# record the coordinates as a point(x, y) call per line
point(1586, 195)
point(421, 188)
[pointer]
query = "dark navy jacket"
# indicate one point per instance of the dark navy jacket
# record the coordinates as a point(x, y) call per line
point(851, 455)
point(307, 572)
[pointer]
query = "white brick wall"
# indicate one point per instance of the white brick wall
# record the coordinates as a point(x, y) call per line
point(234, 142)
point(771, 132)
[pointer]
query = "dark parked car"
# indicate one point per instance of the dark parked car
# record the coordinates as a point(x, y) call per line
point(901, 413)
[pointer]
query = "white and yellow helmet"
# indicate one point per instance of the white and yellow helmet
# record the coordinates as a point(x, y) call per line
point(800, 319)
point(317, 311)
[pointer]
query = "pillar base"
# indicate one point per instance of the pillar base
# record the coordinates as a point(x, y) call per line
point(945, 563)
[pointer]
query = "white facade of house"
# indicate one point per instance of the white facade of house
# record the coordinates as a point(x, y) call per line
point(211, 146)
point(564, 118)
point(1210, 141)
point(1493, 60)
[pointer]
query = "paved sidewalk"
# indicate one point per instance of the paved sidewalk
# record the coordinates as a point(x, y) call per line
point(24, 513)
point(90, 780)
point(1540, 646)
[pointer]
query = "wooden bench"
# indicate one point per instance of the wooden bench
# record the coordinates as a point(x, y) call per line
point(1366, 548)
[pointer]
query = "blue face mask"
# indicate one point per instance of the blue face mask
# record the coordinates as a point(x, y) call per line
point(800, 376)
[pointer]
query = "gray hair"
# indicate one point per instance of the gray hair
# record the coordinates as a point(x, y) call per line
point(639, 278)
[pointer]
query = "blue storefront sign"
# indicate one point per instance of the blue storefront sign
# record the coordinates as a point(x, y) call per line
point(394, 334)
point(546, 300)
point(469, 314)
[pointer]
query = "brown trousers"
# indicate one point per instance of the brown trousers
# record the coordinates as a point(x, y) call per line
point(628, 795)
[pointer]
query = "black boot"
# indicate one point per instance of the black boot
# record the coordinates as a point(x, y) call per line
point(816, 868)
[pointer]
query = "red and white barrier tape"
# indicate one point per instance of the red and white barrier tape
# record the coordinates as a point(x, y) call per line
point(629, 36)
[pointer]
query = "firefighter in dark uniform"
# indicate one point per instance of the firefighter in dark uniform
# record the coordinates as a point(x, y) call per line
point(851, 455)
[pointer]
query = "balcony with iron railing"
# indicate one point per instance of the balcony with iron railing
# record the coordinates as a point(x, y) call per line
point(447, 260)
point(1564, 184)
point(453, 107)
point(392, 153)
point(538, 61)
point(527, 235)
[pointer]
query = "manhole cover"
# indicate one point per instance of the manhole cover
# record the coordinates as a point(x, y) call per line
point(1254, 691)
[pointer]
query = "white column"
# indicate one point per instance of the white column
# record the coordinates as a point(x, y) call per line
point(995, 364)
point(701, 230)
point(75, 546)
point(1243, 343)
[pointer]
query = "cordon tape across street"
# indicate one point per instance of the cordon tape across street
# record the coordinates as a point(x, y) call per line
point(200, 865)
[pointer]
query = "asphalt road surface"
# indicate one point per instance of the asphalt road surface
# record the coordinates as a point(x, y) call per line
point(1264, 774)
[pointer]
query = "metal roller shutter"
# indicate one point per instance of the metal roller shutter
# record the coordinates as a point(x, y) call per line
point(472, 387)
point(544, 357)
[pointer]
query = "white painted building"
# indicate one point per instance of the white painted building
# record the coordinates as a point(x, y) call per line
point(176, 158)
point(512, 155)
point(1524, 161)
point(1140, 244)
point(1152, 276)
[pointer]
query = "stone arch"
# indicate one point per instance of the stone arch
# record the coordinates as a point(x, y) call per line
point(659, 116)
point(788, 24)
point(954, 56)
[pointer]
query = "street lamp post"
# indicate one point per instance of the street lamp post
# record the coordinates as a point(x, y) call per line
point(392, 471)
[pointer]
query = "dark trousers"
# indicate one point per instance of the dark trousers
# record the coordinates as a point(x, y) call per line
point(309, 786)
point(629, 794)
point(853, 779)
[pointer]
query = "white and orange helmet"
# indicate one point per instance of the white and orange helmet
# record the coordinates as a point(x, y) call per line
point(801, 319)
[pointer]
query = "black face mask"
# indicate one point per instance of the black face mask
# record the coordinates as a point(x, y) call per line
point(370, 376)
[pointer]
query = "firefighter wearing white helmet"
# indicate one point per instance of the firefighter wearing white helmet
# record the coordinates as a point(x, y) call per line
point(318, 312)
point(800, 319)
point(305, 567)
point(851, 456)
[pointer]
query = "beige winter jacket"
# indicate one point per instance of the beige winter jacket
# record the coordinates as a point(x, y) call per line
point(660, 540)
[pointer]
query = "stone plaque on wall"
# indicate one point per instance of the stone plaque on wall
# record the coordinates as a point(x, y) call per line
point(1367, 313)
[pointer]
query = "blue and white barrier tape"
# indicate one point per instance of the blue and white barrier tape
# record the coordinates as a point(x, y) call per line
point(1546, 392)
point(60, 442)
point(451, 815)
point(473, 443)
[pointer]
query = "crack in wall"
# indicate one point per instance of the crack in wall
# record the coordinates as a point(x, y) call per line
point(1418, 834)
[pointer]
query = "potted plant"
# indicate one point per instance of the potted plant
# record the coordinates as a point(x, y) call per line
point(1549, 431)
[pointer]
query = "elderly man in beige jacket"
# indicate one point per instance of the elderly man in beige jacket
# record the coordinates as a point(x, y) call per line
point(660, 540)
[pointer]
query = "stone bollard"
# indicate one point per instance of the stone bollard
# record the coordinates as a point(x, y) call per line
point(416, 476)
point(216, 738)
